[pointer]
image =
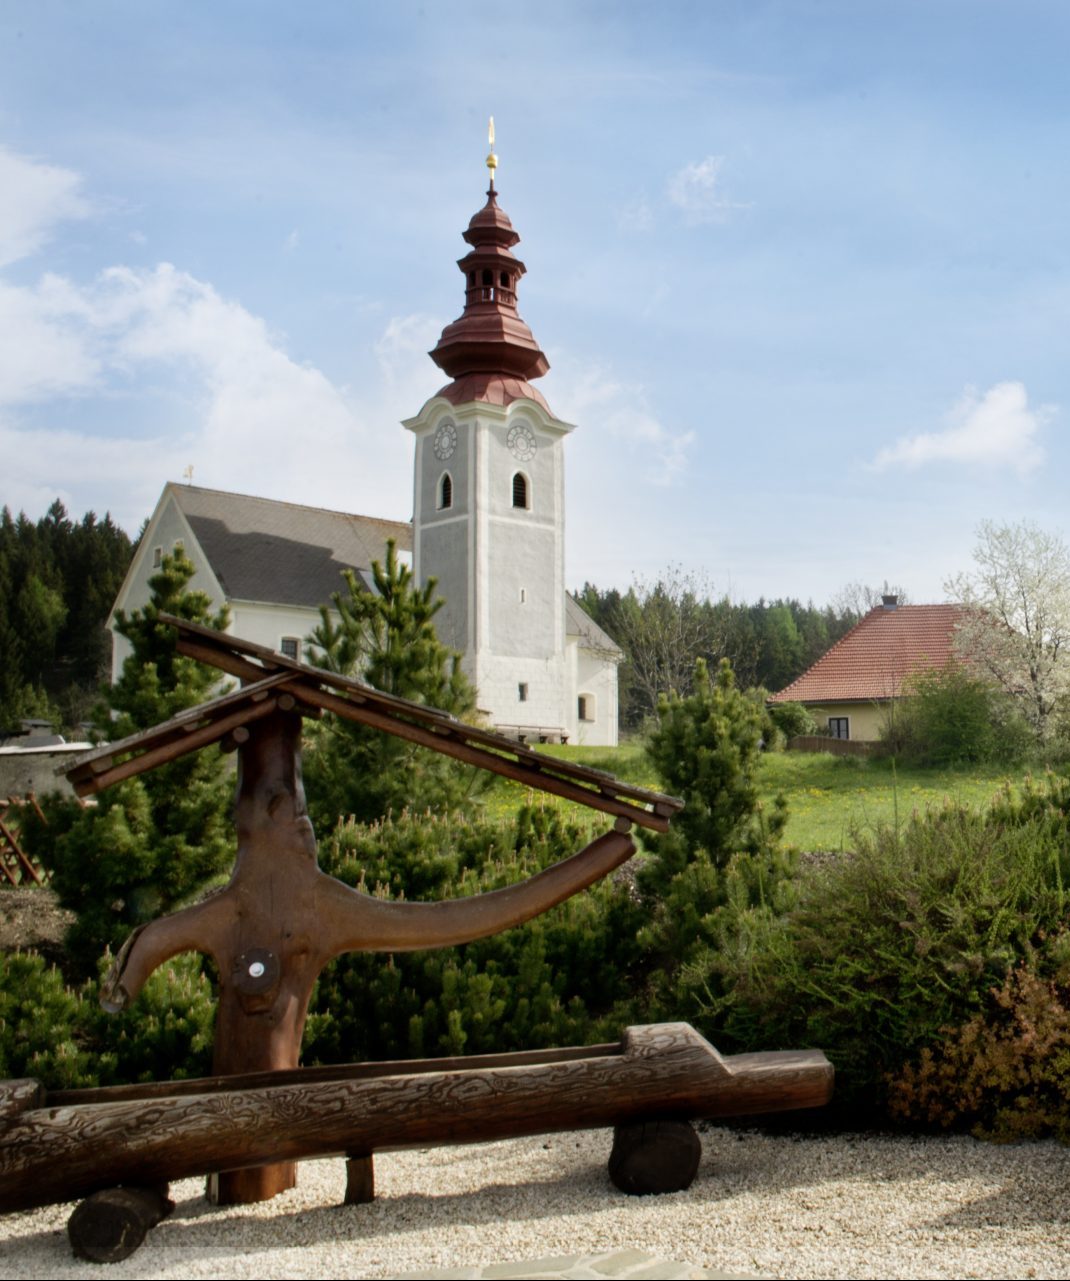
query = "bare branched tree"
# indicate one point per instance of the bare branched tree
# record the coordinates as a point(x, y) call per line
point(858, 599)
point(665, 626)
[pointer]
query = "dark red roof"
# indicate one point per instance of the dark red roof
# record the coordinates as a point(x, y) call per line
point(492, 389)
point(875, 656)
point(489, 338)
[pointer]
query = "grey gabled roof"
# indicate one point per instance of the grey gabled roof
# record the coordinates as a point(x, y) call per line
point(283, 553)
point(579, 623)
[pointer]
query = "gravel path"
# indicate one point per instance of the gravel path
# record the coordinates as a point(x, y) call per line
point(775, 1206)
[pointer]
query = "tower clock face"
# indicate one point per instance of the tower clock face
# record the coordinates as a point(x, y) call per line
point(445, 441)
point(521, 442)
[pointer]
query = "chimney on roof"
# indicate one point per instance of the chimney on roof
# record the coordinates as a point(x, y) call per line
point(890, 602)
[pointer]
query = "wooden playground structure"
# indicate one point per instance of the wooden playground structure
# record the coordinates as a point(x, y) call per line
point(271, 931)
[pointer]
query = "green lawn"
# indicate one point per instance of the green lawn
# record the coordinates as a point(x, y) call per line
point(828, 797)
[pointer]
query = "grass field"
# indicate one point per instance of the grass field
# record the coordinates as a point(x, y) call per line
point(828, 797)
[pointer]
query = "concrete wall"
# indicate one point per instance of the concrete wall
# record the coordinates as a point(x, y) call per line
point(24, 770)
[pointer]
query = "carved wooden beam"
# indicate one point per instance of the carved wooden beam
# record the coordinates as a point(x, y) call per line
point(55, 1153)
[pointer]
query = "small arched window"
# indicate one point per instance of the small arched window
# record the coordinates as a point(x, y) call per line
point(488, 279)
point(503, 280)
point(520, 490)
point(445, 491)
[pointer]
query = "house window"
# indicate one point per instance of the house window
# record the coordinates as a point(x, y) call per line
point(290, 647)
point(585, 707)
point(520, 490)
point(522, 692)
point(445, 492)
point(840, 726)
point(523, 595)
point(157, 557)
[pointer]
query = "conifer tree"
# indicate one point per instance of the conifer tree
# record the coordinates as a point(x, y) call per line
point(387, 637)
point(153, 840)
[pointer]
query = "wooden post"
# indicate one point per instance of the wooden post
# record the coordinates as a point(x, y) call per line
point(268, 970)
point(360, 1180)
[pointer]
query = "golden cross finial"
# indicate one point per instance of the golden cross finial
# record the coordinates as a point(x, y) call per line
point(492, 159)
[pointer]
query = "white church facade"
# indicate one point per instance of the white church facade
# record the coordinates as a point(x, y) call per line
point(488, 524)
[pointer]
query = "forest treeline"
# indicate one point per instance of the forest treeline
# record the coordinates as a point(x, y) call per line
point(58, 581)
point(665, 626)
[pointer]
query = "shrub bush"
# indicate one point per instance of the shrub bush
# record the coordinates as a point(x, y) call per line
point(1005, 1073)
point(872, 954)
point(564, 978)
point(792, 719)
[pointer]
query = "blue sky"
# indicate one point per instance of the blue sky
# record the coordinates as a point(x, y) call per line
point(801, 269)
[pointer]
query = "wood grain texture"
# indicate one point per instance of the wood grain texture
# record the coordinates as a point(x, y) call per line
point(665, 1070)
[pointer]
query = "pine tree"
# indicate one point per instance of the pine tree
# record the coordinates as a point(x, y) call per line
point(152, 841)
point(386, 637)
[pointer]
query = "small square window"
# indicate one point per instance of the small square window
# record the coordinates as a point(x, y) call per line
point(522, 692)
point(840, 726)
point(290, 647)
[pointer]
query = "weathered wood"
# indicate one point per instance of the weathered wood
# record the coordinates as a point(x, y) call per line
point(149, 1090)
point(250, 661)
point(360, 1180)
point(280, 905)
point(666, 1070)
point(532, 774)
point(653, 1157)
point(110, 1225)
point(192, 739)
point(92, 765)
point(10, 842)
point(17, 1096)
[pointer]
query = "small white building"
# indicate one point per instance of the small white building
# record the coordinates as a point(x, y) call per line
point(489, 526)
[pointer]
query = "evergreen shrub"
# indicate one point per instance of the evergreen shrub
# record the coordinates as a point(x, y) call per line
point(563, 978)
point(875, 953)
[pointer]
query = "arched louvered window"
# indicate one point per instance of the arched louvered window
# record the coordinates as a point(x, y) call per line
point(445, 491)
point(520, 490)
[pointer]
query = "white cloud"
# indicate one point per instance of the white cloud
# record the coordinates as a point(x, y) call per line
point(996, 429)
point(695, 191)
point(33, 198)
point(257, 420)
point(622, 418)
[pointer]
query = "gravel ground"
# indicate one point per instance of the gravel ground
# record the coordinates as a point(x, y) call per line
point(776, 1206)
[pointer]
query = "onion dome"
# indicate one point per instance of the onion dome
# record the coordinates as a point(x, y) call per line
point(488, 351)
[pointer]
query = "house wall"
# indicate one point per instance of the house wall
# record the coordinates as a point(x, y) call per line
point(866, 719)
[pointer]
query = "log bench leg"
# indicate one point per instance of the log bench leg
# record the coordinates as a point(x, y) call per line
point(108, 1226)
point(360, 1180)
point(650, 1157)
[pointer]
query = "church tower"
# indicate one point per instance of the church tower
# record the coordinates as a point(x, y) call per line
point(488, 513)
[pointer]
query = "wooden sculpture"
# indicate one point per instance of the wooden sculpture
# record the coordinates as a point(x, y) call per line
point(281, 920)
point(273, 929)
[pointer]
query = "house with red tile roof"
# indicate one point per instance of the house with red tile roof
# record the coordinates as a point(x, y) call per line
point(850, 689)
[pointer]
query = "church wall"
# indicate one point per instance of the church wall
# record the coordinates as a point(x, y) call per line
point(266, 624)
point(499, 679)
point(444, 553)
point(594, 676)
point(522, 617)
point(167, 528)
point(430, 470)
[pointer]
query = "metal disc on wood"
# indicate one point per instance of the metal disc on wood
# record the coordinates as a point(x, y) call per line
point(650, 1157)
